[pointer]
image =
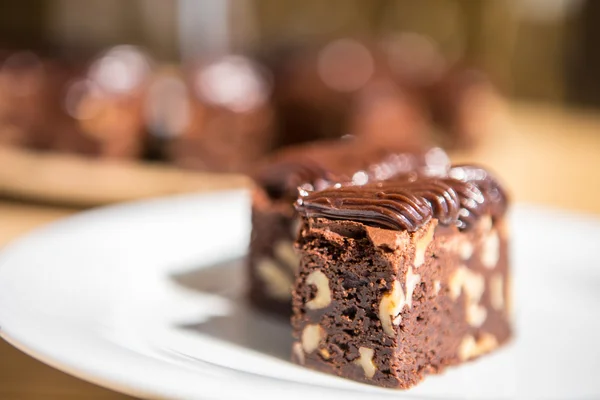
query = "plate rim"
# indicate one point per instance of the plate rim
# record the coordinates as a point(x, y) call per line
point(37, 350)
point(26, 341)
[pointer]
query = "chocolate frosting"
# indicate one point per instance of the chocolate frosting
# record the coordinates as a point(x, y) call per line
point(458, 197)
point(346, 162)
point(283, 179)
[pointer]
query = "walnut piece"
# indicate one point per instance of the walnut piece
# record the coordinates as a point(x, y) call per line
point(365, 361)
point(312, 336)
point(422, 243)
point(325, 354)
point(298, 352)
point(456, 282)
point(470, 348)
point(285, 253)
point(412, 280)
point(390, 307)
point(473, 284)
point(476, 314)
point(323, 295)
point(467, 348)
point(465, 249)
point(490, 250)
point(497, 292)
point(393, 302)
point(277, 282)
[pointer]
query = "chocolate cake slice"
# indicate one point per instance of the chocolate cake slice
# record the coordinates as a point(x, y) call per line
point(399, 279)
point(273, 263)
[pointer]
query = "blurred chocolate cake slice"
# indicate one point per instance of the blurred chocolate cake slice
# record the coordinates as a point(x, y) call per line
point(229, 123)
point(272, 262)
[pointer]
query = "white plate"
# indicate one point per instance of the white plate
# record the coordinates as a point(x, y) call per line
point(147, 298)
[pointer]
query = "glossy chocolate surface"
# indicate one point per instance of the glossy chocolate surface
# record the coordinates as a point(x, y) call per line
point(334, 163)
point(406, 202)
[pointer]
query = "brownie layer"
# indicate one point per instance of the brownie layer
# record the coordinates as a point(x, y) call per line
point(388, 307)
point(403, 277)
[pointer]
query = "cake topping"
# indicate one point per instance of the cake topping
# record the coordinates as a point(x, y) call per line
point(346, 162)
point(283, 179)
point(406, 202)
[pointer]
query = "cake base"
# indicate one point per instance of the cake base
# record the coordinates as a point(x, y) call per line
point(389, 307)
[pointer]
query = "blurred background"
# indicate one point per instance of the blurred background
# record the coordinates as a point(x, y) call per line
point(104, 101)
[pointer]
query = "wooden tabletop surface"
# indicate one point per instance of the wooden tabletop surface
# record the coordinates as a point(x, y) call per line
point(548, 155)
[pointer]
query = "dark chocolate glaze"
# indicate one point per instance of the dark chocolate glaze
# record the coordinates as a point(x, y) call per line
point(346, 162)
point(458, 197)
point(282, 179)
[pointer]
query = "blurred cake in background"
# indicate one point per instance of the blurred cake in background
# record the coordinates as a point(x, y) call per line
point(19, 77)
point(51, 104)
point(463, 104)
point(30, 90)
point(167, 111)
point(230, 122)
point(106, 103)
point(308, 105)
point(225, 114)
point(399, 89)
point(386, 113)
point(457, 98)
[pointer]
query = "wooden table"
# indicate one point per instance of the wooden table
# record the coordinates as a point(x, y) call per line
point(549, 156)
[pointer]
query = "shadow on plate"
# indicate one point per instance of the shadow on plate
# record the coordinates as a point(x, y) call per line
point(243, 326)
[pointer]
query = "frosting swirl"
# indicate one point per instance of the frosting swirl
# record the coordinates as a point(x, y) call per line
point(346, 162)
point(409, 201)
point(281, 180)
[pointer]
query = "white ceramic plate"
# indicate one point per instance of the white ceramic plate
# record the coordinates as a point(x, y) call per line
point(147, 299)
